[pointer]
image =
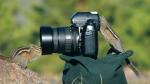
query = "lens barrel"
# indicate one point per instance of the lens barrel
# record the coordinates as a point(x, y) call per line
point(46, 40)
point(59, 40)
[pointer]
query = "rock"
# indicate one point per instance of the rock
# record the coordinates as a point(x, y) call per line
point(10, 73)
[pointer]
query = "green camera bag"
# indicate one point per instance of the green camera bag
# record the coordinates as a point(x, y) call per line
point(86, 70)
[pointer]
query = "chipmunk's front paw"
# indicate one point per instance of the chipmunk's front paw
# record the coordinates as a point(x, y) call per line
point(23, 65)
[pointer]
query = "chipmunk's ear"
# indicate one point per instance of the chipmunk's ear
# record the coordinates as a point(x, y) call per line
point(35, 46)
point(32, 45)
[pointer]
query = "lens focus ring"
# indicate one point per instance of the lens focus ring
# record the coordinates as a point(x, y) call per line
point(68, 41)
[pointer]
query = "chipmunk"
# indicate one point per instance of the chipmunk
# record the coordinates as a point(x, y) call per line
point(115, 42)
point(22, 56)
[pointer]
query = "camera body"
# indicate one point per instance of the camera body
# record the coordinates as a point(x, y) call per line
point(81, 38)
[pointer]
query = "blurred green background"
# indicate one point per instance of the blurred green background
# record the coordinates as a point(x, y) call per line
point(20, 21)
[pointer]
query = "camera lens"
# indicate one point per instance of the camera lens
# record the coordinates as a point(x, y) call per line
point(59, 40)
point(46, 40)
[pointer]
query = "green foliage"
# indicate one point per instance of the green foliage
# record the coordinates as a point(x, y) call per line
point(20, 21)
point(48, 64)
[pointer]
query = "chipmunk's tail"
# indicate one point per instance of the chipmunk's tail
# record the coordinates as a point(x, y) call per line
point(132, 67)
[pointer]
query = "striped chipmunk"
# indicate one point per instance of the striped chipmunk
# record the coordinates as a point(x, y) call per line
point(22, 56)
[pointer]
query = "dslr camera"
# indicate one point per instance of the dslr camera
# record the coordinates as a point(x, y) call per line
point(80, 38)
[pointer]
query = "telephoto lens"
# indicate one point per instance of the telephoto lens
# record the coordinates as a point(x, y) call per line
point(59, 40)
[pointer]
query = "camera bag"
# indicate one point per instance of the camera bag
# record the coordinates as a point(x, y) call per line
point(86, 70)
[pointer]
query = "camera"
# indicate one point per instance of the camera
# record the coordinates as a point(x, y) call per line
point(80, 38)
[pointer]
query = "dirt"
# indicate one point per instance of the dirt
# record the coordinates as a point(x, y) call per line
point(10, 73)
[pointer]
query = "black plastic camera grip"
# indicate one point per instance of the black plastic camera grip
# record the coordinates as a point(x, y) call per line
point(90, 41)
